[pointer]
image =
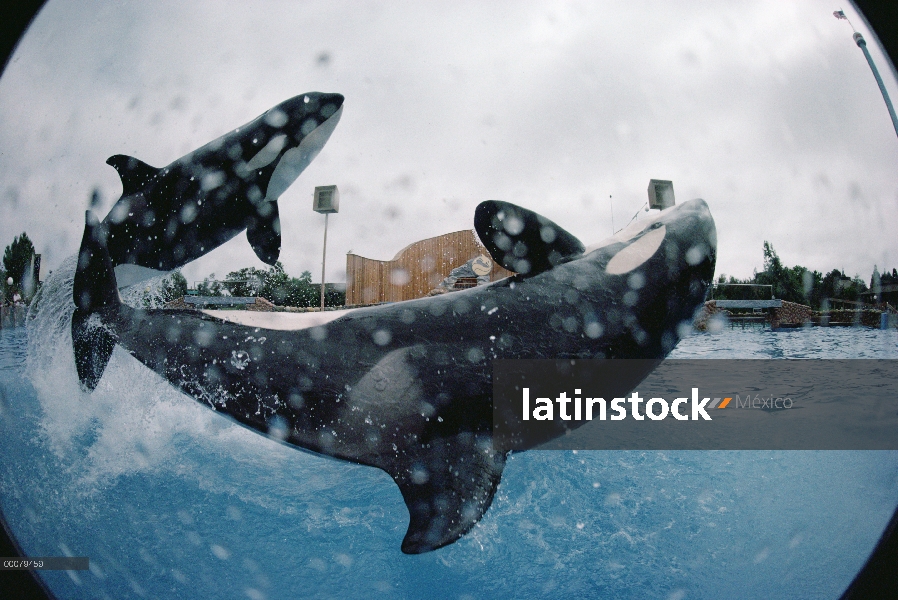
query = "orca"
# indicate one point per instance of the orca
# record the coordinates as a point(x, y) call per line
point(406, 387)
point(169, 216)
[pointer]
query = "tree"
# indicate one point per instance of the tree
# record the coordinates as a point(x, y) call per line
point(303, 292)
point(174, 286)
point(802, 285)
point(791, 284)
point(813, 286)
point(889, 278)
point(723, 291)
point(210, 287)
point(245, 282)
point(876, 284)
point(274, 284)
point(333, 297)
point(830, 287)
point(836, 285)
point(277, 286)
point(16, 259)
point(280, 288)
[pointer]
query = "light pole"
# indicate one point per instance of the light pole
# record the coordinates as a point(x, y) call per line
point(326, 200)
point(862, 44)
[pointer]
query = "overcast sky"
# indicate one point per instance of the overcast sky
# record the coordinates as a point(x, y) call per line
point(768, 111)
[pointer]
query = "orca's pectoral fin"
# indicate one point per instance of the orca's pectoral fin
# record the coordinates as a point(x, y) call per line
point(447, 487)
point(521, 240)
point(135, 173)
point(263, 231)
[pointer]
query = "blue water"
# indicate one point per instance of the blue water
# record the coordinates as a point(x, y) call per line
point(169, 499)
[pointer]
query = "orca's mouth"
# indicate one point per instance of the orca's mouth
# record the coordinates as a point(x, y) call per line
point(330, 105)
point(293, 161)
point(334, 116)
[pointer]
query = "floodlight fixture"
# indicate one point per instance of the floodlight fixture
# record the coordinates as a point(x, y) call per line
point(661, 194)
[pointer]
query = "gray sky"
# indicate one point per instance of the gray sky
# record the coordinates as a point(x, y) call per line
point(768, 111)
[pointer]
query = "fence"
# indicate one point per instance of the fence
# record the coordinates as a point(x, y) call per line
point(414, 271)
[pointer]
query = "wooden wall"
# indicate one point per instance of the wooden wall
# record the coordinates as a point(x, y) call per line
point(414, 271)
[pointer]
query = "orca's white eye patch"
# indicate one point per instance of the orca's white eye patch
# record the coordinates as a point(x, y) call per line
point(636, 253)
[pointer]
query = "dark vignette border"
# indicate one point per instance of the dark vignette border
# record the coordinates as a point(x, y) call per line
point(877, 579)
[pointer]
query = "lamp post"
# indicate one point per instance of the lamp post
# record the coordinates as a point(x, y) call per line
point(862, 44)
point(326, 200)
point(661, 194)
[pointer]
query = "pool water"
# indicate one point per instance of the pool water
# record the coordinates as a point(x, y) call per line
point(169, 499)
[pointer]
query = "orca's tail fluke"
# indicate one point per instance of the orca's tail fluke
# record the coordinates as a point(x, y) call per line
point(94, 291)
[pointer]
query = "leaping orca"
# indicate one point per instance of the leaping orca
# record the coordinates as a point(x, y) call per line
point(406, 387)
point(167, 217)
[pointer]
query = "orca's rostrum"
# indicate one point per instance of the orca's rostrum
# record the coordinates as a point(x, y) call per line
point(169, 216)
point(406, 387)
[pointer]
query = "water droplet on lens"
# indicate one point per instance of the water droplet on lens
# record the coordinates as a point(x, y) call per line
point(239, 359)
point(513, 225)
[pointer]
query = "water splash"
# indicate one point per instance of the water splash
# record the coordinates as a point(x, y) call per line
point(134, 421)
point(152, 293)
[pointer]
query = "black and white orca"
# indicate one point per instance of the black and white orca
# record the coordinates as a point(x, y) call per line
point(406, 387)
point(167, 217)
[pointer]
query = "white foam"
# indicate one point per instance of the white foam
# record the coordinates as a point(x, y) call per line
point(134, 421)
point(127, 275)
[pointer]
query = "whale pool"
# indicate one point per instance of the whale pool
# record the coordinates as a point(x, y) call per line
point(169, 499)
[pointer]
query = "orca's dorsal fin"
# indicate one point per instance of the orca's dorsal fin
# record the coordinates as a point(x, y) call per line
point(263, 231)
point(135, 173)
point(447, 487)
point(521, 240)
